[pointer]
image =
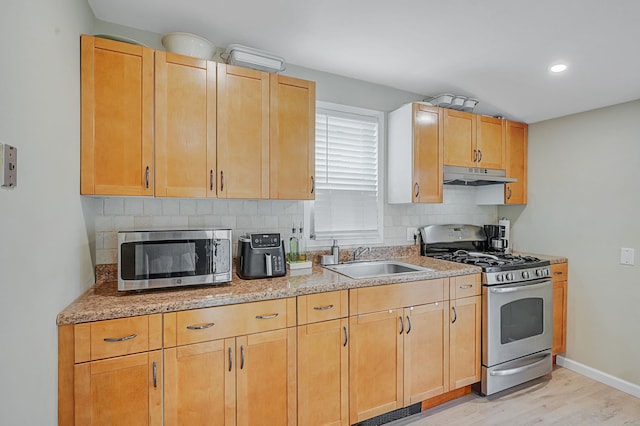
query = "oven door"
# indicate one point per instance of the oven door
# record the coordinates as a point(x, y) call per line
point(517, 320)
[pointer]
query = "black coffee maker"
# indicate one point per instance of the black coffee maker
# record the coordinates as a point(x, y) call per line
point(496, 238)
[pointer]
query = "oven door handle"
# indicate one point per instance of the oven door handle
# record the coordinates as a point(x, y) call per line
point(520, 287)
point(512, 371)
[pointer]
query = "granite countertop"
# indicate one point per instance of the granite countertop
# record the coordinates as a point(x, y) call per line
point(103, 300)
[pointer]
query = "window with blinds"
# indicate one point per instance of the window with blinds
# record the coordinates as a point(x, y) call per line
point(347, 203)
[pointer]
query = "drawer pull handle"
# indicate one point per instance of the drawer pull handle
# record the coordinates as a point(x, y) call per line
point(346, 336)
point(455, 315)
point(557, 273)
point(267, 316)
point(200, 327)
point(211, 183)
point(120, 339)
point(323, 308)
point(155, 374)
point(401, 325)
point(465, 287)
point(230, 359)
point(408, 324)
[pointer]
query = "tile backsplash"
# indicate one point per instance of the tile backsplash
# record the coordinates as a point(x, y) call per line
point(124, 213)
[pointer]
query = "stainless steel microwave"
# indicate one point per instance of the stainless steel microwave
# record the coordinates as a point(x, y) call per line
point(159, 259)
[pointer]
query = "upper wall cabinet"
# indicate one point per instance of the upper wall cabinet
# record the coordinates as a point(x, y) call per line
point(220, 130)
point(472, 140)
point(415, 154)
point(243, 133)
point(185, 148)
point(116, 118)
point(517, 136)
point(292, 138)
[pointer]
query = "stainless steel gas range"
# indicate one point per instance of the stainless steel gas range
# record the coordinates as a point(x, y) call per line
point(517, 309)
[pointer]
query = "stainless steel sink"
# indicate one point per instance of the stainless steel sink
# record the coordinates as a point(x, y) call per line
point(375, 268)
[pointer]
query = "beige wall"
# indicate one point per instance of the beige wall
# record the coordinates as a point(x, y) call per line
point(45, 255)
point(584, 203)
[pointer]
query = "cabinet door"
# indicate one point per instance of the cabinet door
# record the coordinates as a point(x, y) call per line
point(323, 373)
point(266, 378)
point(116, 134)
point(185, 126)
point(375, 364)
point(199, 385)
point(125, 390)
point(490, 142)
point(426, 352)
point(292, 138)
point(243, 133)
point(559, 317)
point(516, 193)
point(464, 338)
point(428, 154)
point(459, 138)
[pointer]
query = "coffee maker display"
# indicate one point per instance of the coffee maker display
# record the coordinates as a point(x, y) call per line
point(498, 236)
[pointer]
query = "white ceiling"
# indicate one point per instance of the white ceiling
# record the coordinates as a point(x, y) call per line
point(498, 51)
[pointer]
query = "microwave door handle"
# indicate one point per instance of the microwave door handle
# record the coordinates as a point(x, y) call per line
point(267, 258)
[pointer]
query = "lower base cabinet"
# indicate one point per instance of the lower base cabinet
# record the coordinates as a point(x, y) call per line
point(125, 390)
point(283, 362)
point(247, 380)
point(323, 373)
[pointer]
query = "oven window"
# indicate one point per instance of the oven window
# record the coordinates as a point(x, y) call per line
point(520, 319)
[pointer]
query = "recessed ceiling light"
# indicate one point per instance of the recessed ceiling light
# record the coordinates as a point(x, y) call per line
point(558, 68)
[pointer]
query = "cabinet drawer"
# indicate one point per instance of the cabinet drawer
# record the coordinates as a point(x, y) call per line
point(323, 306)
point(394, 296)
point(123, 336)
point(559, 271)
point(464, 286)
point(201, 325)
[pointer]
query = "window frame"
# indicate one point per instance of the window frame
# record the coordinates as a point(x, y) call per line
point(309, 207)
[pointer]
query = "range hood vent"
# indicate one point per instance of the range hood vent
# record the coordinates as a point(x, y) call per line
point(475, 176)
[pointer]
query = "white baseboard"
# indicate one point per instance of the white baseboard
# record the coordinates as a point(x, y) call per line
point(602, 377)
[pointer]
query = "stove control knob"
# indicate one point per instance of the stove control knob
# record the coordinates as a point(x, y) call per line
point(499, 277)
point(545, 272)
point(510, 276)
point(539, 272)
point(525, 275)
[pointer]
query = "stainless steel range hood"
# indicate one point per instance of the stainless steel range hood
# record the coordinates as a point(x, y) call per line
point(475, 176)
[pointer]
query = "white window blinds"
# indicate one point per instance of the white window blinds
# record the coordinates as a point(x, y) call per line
point(346, 204)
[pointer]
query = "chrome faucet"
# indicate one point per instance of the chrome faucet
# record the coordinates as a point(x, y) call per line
point(360, 251)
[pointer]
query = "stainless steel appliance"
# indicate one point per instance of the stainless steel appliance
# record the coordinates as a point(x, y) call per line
point(261, 256)
point(158, 259)
point(517, 309)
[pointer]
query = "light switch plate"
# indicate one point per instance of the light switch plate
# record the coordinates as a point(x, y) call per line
point(8, 166)
point(411, 232)
point(627, 256)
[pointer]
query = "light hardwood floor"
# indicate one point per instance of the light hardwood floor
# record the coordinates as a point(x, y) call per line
point(568, 398)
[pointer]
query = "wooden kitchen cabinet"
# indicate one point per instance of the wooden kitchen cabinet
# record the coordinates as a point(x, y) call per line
point(243, 132)
point(395, 330)
point(459, 134)
point(415, 140)
point(490, 142)
point(516, 165)
point(111, 372)
point(472, 140)
point(116, 133)
point(465, 327)
point(292, 138)
point(122, 390)
point(233, 364)
point(559, 273)
point(323, 359)
point(185, 126)
point(426, 351)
